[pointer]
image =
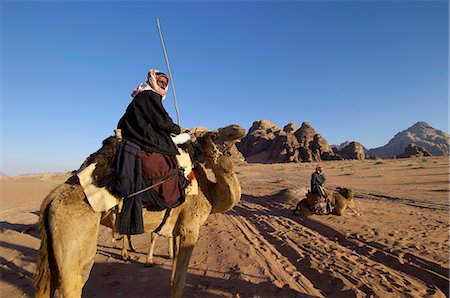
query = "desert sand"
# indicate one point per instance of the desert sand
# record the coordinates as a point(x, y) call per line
point(397, 247)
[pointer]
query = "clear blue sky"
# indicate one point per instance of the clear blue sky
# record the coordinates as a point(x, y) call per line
point(355, 70)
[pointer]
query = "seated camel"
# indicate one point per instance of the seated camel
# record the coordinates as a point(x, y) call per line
point(339, 200)
point(69, 227)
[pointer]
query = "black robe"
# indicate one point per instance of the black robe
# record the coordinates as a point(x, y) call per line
point(147, 124)
point(317, 180)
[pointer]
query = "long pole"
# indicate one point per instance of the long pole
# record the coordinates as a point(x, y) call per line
point(170, 72)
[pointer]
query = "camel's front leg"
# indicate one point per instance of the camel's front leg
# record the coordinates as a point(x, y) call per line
point(126, 240)
point(149, 260)
point(171, 249)
point(188, 239)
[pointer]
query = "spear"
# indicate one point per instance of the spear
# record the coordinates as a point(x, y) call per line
point(170, 73)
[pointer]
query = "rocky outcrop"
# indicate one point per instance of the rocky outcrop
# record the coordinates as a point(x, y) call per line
point(353, 150)
point(259, 139)
point(436, 142)
point(321, 150)
point(285, 148)
point(267, 143)
point(412, 150)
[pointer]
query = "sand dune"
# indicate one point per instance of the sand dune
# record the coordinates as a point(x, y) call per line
point(398, 247)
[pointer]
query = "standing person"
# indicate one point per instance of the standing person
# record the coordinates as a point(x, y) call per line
point(148, 154)
point(318, 182)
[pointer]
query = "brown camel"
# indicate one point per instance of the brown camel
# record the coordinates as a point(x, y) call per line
point(341, 200)
point(69, 227)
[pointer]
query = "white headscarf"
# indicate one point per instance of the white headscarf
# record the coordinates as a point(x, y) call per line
point(151, 84)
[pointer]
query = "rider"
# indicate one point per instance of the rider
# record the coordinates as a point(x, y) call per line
point(152, 136)
point(318, 184)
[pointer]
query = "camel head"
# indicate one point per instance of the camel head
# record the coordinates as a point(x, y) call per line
point(215, 143)
point(345, 192)
point(214, 146)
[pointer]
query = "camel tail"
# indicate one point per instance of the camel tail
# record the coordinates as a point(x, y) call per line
point(44, 281)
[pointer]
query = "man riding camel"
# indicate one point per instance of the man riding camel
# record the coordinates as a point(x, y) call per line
point(318, 182)
point(318, 185)
point(148, 153)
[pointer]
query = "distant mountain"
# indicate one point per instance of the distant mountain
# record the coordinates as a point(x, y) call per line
point(435, 141)
point(341, 146)
point(3, 174)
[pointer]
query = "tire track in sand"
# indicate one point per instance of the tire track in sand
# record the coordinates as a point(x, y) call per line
point(280, 266)
point(318, 265)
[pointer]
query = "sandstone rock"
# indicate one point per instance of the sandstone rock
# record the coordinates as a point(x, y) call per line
point(290, 128)
point(353, 150)
point(285, 148)
point(320, 149)
point(412, 150)
point(305, 134)
point(260, 137)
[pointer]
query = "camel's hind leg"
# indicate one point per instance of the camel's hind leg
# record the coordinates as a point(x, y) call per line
point(171, 250)
point(149, 260)
point(74, 229)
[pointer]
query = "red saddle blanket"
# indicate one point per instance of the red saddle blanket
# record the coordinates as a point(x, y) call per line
point(157, 167)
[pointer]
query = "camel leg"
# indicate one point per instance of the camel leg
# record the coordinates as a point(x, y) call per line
point(125, 242)
point(149, 260)
point(171, 248)
point(188, 239)
point(176, 248)
point(130, 245)
point(354, 211)
point(74, 236)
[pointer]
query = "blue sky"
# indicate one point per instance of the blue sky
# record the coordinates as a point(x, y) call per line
point(355, 70)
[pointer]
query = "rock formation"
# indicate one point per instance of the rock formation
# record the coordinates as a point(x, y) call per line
point(412, 150)
point(267, 143)
point(260, 137)
point(353, 150)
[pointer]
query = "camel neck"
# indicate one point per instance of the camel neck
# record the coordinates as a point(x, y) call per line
point(226, 192)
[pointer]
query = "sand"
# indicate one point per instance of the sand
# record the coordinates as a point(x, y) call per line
point(398, 247)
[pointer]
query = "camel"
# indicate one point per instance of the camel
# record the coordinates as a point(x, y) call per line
point(340, 200)
point(69, 227)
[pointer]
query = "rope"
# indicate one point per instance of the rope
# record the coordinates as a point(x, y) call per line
point(165, 178)
point(170, 72)
point(147, 188)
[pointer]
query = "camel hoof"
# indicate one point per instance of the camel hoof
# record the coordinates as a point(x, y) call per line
point(148, 265)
